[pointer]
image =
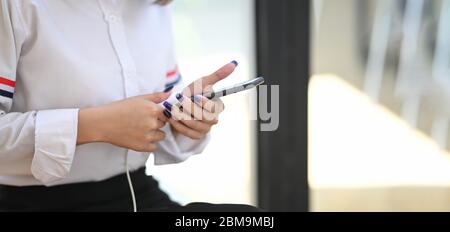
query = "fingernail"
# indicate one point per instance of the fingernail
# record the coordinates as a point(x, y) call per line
point(179, 96)
point(235, 63)
point(167, 114)
point(168, 106)
point(196, 99)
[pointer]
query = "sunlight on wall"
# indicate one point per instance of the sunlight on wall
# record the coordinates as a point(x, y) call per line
point(354, 142)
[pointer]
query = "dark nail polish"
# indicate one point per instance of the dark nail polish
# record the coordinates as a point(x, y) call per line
point(235, 63)
point(179, 96)
point(168, 106)
point(196, 99)
point(167, 114)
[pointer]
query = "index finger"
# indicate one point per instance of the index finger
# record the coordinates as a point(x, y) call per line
point(198, 86)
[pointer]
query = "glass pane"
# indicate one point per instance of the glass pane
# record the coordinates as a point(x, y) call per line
point(379, 105)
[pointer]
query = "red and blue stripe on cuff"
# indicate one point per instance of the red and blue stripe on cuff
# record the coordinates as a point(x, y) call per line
point(174, 77)
point(7, 87)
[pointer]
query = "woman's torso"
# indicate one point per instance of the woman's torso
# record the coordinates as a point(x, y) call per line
point(82, 53)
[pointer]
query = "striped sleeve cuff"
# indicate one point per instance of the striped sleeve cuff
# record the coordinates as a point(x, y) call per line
point(173, 77)
point(7, 87)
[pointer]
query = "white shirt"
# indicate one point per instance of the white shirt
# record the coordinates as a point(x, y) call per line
point(59, 56)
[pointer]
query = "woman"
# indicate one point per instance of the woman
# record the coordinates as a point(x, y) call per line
point(81, 91)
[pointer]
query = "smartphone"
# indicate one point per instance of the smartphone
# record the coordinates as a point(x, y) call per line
point(235, 88)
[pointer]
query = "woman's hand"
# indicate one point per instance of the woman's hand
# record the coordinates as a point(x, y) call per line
point(133, 123)
point(194, 115)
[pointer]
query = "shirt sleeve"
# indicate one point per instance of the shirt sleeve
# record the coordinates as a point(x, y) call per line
point(47, 137)
point(176, 147)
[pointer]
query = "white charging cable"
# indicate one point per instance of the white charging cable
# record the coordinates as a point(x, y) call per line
point(130, 184)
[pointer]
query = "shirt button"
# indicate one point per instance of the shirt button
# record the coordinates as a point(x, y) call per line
point(112, 18)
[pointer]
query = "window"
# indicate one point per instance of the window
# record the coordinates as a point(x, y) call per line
point(378, 106)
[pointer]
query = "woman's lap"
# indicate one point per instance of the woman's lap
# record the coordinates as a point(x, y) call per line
point(109, 195)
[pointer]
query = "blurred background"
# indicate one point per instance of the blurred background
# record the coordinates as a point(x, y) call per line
point(379, 105)
point(364, 104)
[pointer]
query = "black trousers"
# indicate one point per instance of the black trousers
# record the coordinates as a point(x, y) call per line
point(109, 195)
